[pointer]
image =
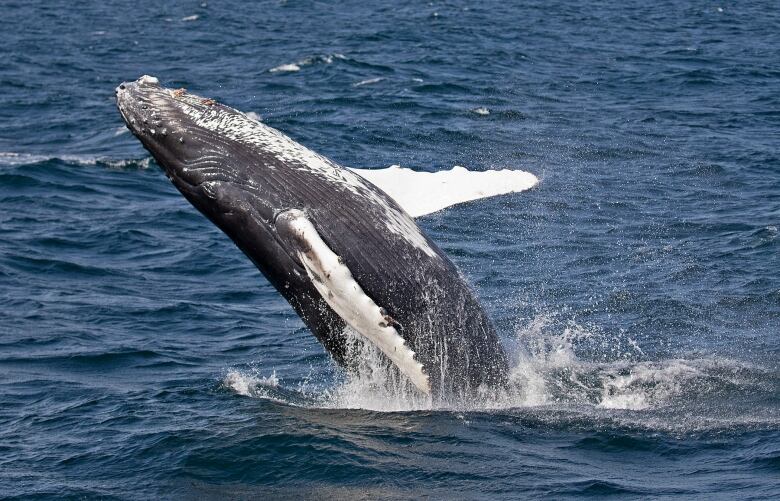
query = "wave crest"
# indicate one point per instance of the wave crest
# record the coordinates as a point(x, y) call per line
point(13, 159)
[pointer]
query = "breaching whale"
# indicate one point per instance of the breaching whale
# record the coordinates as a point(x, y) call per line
point(344, 253)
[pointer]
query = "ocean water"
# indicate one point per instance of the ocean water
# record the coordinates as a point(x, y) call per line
point(636, 287)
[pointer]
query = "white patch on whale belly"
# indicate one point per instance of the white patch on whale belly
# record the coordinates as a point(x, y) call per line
point(239, 127)
point(338, 288)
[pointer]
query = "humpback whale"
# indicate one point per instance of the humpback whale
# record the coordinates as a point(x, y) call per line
point(337, 247)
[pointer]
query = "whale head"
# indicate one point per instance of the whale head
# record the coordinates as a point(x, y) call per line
point(189, 137)
point(235, 171)
point(156, 118)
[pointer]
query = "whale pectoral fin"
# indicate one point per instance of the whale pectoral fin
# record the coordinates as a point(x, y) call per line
point(334, 281)
point(421, 193)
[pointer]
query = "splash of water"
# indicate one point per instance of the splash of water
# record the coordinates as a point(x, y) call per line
point(251, 383)
point(374, 383)
point(546, 373)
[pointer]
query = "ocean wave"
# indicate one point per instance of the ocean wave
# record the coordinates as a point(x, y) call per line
point(297, 65)
point(285, 68)
point(368, 81)
point(9, 158)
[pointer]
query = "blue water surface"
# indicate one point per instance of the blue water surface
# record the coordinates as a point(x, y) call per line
point(636, 288)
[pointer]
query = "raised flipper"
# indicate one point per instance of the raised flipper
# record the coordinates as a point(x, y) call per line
point(334, 281)
point(421, 193)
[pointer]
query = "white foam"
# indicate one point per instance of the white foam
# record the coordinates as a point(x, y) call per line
point(646, 384)
point(328, 59)
point(285, 68)
point(368, 81)
point(374, 385)
point(421, 193)
point(193, 17)
point(546, 375)
point(481, 111)
point(250, 384)
point(254, 116)
point(547, 370)
point(296, 66)
point(13, 158)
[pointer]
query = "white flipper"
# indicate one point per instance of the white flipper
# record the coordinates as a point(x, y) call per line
point(421, 193)
point(338, 288)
